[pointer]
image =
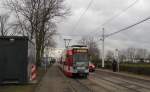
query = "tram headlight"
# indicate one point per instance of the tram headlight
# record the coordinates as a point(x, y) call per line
point(74, 67)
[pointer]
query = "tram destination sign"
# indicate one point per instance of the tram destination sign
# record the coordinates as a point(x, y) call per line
point(80, 50)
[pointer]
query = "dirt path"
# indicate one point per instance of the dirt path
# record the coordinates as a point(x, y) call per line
point(53, 81)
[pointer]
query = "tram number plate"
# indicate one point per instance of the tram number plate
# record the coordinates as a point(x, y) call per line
point(80, 67)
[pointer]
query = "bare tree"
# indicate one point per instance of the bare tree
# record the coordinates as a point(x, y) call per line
point(122, 55)
point(4, 26)
point(148, 56)
point(133, 54)
point(130, 54)
point(109, 55)
point(94, 52)
point(36, 19)
point(141, 54)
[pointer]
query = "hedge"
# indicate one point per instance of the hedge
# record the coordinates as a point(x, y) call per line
point(137, 68)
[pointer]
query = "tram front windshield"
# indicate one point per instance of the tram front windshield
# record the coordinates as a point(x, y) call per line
point(80, 57)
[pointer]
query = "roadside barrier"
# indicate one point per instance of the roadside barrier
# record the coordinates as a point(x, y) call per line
point(33, 72)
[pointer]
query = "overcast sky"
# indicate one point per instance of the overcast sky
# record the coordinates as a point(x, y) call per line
point(99, 12)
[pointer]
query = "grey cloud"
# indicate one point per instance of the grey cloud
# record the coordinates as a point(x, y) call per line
point(102, 10)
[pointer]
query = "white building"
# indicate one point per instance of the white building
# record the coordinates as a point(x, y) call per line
point(53, 52)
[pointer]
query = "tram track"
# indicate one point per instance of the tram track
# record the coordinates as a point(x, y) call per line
point(123, 76)
point(98, 85)
point(82, 84)
point(134, 87)
point(75, 84)
point(140, 83)
point(118, 84)
point(89, 86)
point(79, 86)
point(94, 86)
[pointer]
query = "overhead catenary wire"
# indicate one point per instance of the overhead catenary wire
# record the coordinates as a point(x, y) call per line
point(77, 23)
point(119, 14)
point(115, 16)
point(73, 35)
point(106, 22)
point(128, 27)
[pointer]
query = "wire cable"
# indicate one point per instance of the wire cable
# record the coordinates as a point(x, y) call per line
point(115, 16)
point(126, 28)
point(119, 14)
point(106, 22)
point(77, 23)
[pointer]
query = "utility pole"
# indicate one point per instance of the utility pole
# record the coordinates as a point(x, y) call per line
point(117, 57)
point(67, 41)
point(103, 49)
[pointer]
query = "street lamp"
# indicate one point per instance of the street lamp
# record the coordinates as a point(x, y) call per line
point(103, 49)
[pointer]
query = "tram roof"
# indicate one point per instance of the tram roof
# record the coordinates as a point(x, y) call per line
point(78, 46)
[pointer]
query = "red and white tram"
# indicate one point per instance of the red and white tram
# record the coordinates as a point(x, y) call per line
point(74, 61)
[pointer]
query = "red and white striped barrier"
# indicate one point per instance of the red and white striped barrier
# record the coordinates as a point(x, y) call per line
point(33, 72)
